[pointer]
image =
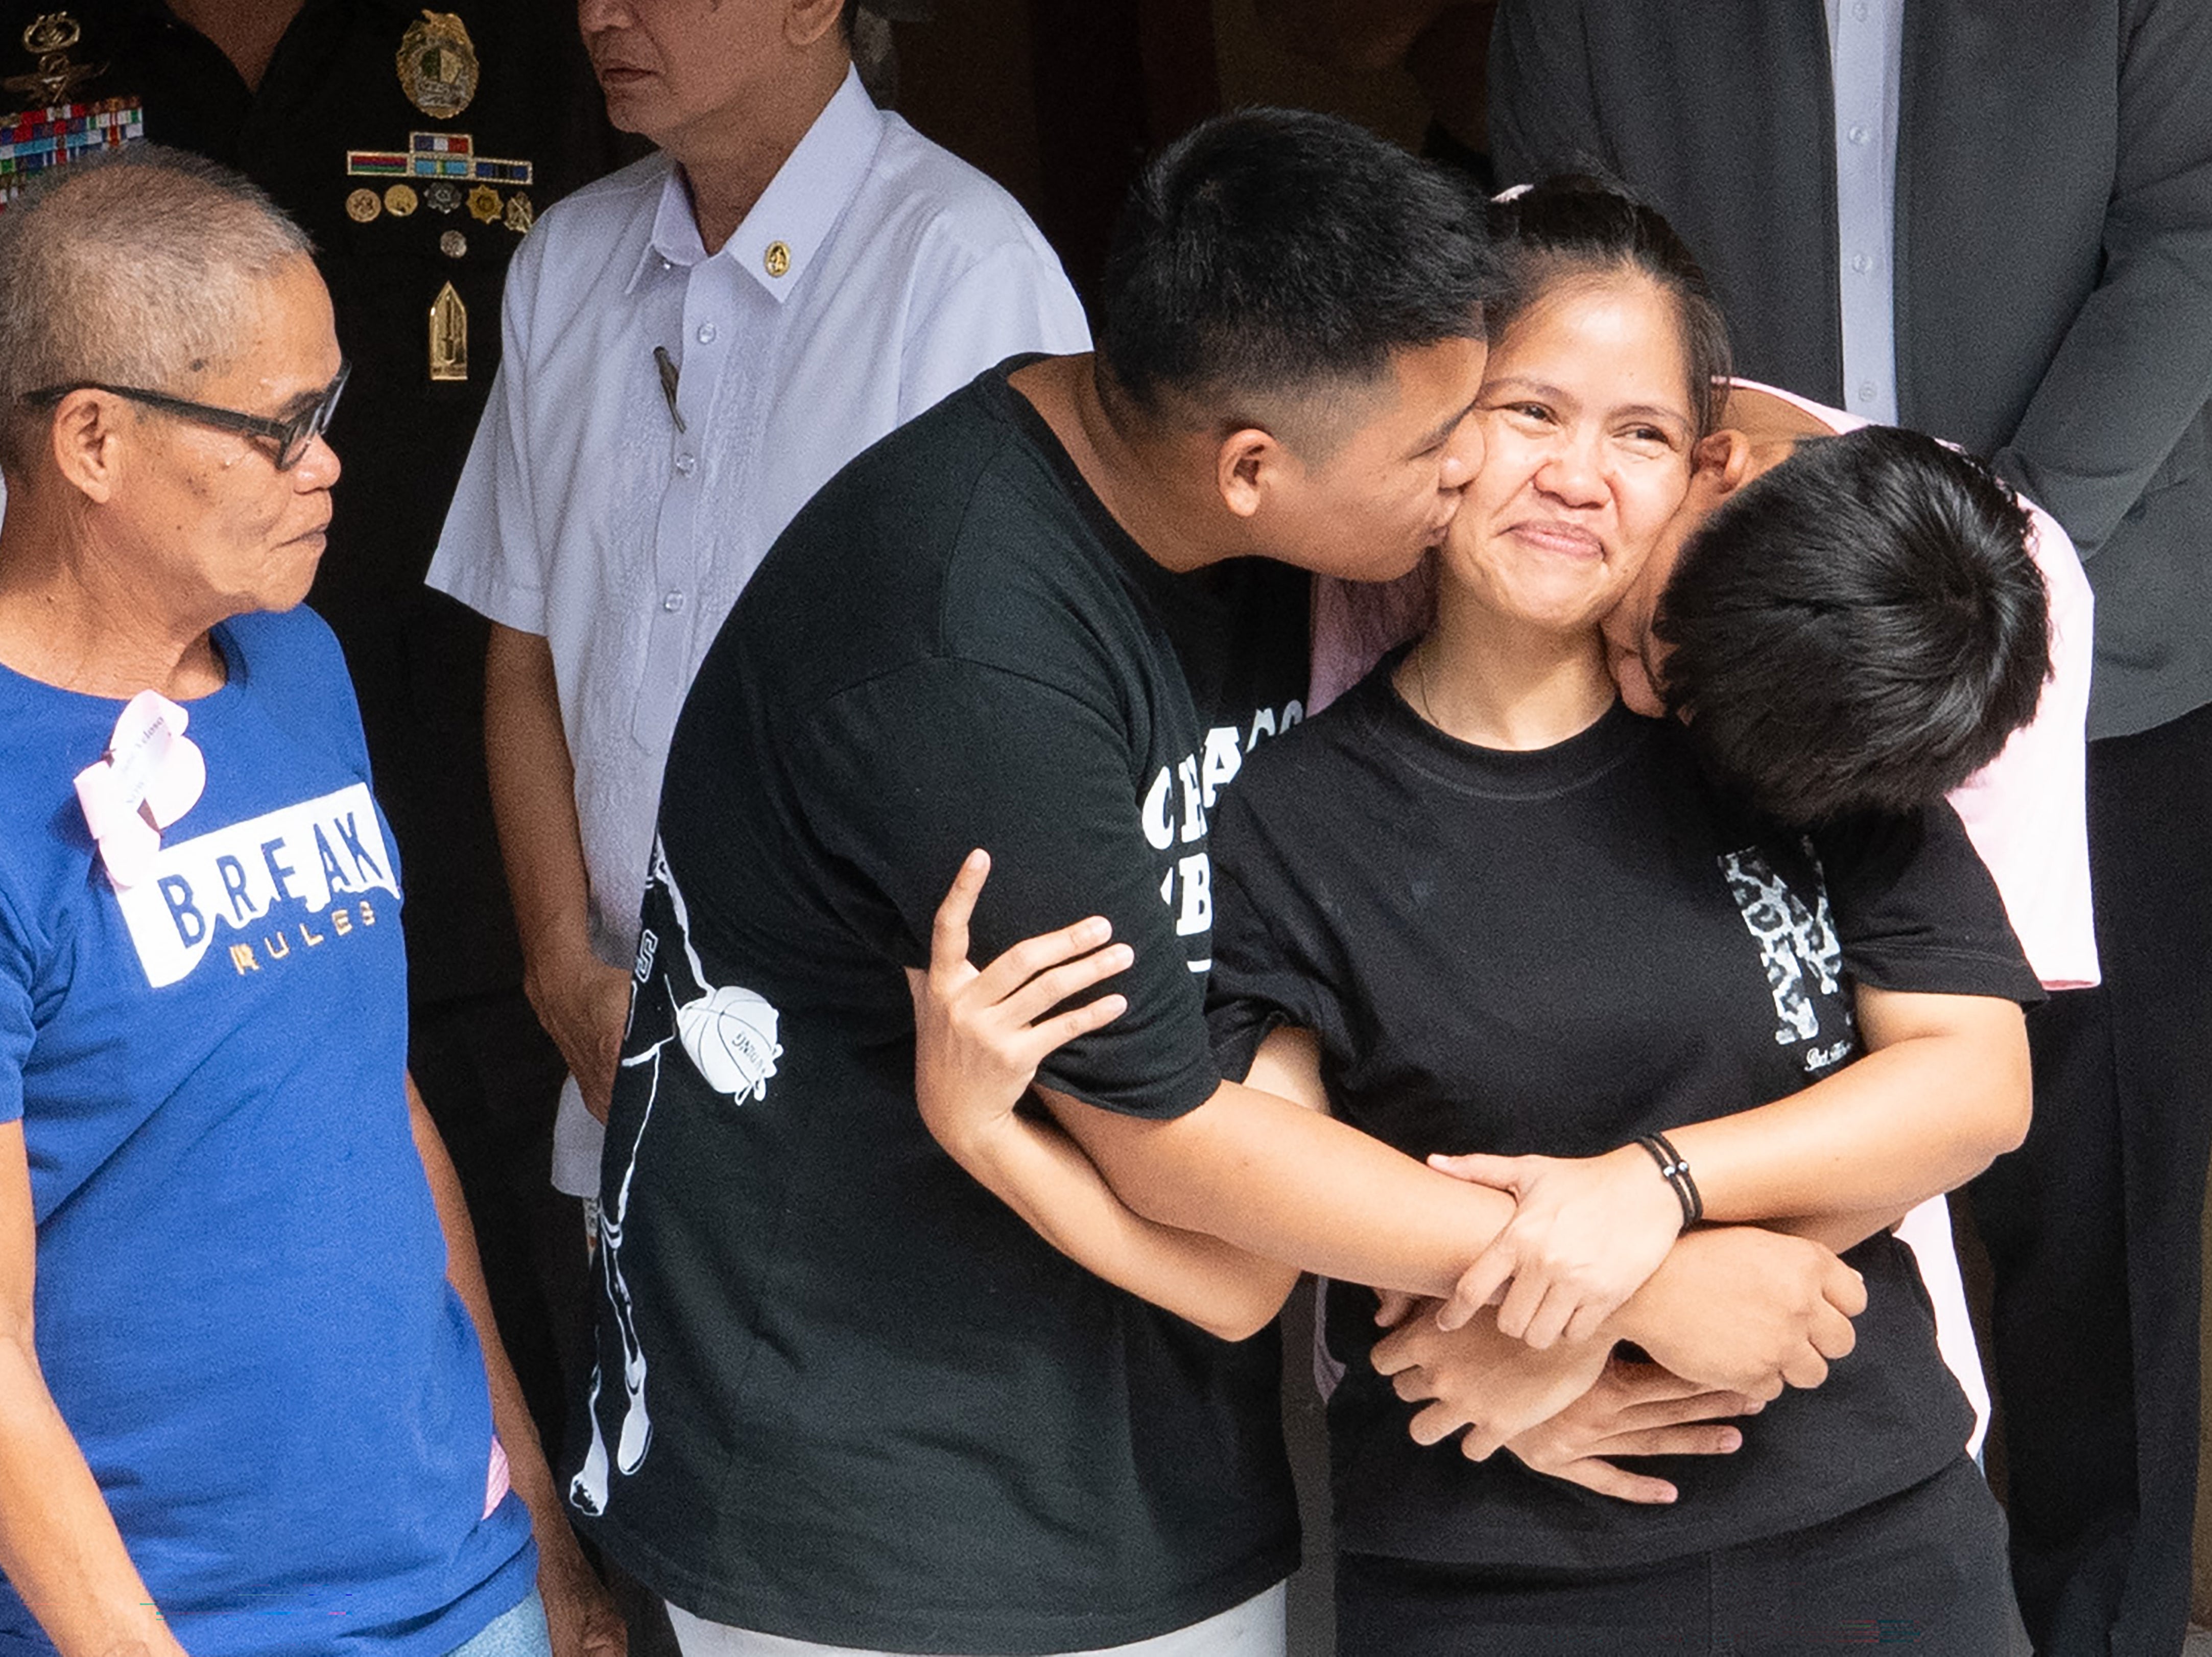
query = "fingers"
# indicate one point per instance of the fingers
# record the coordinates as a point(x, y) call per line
point(1395, 1351)
point(948, 934)
point(1830, 1331)
point(1023, 961)
point(1677, 1412)
point(1846, 1290)
point(1437, 1423)
point(1499, 1173)
point(1391, 1307)
point(1057, 1032)
point(1685, 1439)
point(1555, 1314)
point(1805, 1367)
point(1048, 989)
point(1479, 1285)
point(1516, 1313)
point(1607, 1479)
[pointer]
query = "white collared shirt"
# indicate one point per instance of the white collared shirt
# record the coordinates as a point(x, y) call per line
point(875, 274)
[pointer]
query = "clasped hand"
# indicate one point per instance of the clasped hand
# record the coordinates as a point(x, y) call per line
point(1586, 1233)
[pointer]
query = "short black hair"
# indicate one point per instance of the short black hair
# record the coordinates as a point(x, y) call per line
point(1858, 628)
point(1578, 225)
point(1275, 252)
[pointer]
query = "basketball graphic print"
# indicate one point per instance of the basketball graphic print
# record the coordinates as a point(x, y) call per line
point(729, 1035)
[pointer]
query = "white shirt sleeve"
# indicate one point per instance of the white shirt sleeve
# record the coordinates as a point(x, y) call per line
point(1014, 298)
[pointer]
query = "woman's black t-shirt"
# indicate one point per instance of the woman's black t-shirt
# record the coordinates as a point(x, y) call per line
point(1553, 952)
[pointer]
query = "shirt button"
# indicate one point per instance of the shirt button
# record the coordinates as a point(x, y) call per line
point(1866, 391)
point(1859, 11)
point(672, 602)
point(1861, 264)
point(687, 464)
point(1859, 135)
point(707, 332)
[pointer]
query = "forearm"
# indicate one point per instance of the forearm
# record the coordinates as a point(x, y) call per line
point(518, 1434)
point(1924, 1113)
point(534, 798)
point(58, 1543)
point(1276, 1180)
point(1038, 1171)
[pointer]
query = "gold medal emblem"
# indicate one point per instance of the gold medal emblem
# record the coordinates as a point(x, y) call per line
point(449, 333)
point(483, 203)
point(400, 200)
point(453, 244)
point(49, 38)
point(777, 259)
point(362, 206)
point(438, 65)
point(520, 216)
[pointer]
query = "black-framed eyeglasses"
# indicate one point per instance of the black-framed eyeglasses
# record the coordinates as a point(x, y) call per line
point(290, 436)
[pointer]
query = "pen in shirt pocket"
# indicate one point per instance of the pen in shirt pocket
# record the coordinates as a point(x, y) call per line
point(667, 365)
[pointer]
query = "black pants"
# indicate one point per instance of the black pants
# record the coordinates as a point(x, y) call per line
point(1923, 1570)
point(2094, 1226)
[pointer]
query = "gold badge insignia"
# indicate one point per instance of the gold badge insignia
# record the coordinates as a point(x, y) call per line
point(777, 259)
point(438, 65)
point(483, 203)
point(362, 206)
point(400, 200)
point(520, 215)
point(449, 333)
point(49, 38)
point(453, 244)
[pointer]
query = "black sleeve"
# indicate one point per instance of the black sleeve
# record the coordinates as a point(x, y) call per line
point(915, 769)
point(1273, 950)
point(1916, 911)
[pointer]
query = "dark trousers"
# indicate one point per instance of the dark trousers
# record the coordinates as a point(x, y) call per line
point(491, 1078)
point(2094, 1226)
point(1923, 1570)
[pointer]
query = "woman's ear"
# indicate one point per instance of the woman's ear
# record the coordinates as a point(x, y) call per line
point(1722, 460)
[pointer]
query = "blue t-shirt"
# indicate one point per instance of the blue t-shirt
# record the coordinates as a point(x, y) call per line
point(242, 1309)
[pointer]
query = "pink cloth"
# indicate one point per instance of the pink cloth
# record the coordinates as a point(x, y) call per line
point(497, 1482)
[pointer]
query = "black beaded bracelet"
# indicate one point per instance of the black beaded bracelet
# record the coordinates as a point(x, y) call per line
point(1675, 1170)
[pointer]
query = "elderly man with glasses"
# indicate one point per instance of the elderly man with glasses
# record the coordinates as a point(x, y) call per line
point(261, 1405)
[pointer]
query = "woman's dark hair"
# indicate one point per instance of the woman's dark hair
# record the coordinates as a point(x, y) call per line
point(1859, 628)
point(1274, 252)
point(1574, 225)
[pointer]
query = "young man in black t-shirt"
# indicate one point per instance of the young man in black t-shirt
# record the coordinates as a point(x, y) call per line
point(843, 1395)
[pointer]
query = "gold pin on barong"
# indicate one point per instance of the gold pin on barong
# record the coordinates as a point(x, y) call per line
point(777, 259)
point(363, 205)
point(449, 336)
point(438, 65)
point(520, 216)
point(400, 200)
point(483, 203)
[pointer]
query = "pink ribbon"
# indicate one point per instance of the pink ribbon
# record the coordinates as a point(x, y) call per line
point(149, 777)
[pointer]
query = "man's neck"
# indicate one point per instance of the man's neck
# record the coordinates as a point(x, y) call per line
point(66, 623)
point(1136, 476)
point(730, 159)
point(247, 31)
